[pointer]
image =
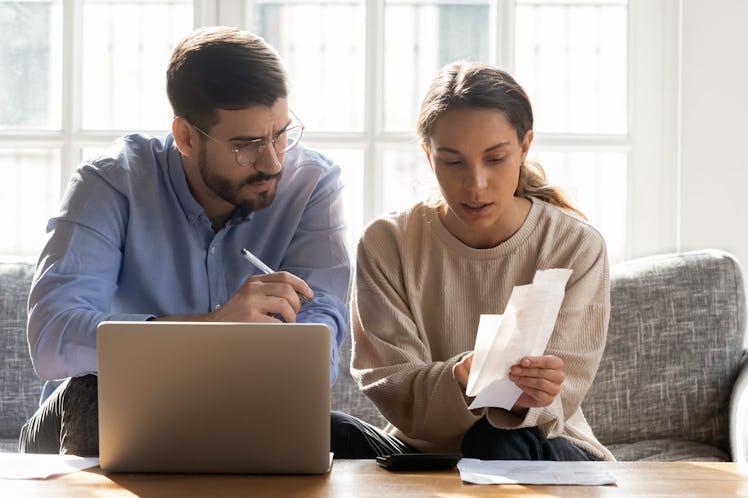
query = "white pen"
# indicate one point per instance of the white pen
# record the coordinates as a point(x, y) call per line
point(257, 262)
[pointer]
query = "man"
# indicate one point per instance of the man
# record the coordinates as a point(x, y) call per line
point(154, 230)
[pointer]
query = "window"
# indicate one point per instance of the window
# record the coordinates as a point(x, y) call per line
point(358, 86)
point(76, 75)
point(79, 73)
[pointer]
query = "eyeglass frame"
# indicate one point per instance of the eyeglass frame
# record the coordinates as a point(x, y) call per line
point(260, 144)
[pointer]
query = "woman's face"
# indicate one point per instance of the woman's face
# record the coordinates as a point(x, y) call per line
point(476, 157)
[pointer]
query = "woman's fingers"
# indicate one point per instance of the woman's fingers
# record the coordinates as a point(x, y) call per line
point(540, 379)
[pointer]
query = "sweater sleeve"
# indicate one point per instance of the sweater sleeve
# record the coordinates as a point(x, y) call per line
point(578, 338)
point(391, 359)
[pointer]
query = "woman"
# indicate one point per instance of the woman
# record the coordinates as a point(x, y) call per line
point(425, 276)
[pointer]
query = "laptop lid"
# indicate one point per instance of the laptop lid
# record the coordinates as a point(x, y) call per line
point(214, 397)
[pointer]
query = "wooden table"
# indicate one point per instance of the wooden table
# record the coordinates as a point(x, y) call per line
point(363, 478)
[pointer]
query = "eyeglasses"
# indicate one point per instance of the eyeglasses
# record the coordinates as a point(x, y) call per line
point(246, 153)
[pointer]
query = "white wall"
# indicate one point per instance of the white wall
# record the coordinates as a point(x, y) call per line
point(714, 127)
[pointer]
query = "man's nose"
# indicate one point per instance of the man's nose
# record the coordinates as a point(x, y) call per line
point(269, 162)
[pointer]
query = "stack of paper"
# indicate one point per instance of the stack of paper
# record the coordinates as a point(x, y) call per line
point(523, 472)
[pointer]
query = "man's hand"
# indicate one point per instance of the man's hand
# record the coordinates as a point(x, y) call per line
point(262, 297)
point(540, 378)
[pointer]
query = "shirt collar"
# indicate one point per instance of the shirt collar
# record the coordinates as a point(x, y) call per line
point(191, 208)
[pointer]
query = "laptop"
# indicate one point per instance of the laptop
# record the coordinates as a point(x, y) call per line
point(192, 397)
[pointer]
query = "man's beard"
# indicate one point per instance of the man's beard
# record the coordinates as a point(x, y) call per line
point(230, 191)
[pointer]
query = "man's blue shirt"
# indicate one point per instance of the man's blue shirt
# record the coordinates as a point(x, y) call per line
point(132, 243)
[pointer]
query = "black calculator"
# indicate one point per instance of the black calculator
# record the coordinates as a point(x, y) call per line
point(419, 461)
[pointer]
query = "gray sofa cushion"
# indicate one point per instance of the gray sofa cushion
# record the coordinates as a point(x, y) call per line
point(668, 450)
point(19, 385)
point(674, 351)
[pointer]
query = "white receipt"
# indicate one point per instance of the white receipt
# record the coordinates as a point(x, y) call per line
point(534, 472)
point(523, 330)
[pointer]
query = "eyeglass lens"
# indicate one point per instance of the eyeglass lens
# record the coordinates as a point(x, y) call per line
point(284, 142)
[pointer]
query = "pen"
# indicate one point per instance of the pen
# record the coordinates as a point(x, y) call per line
point(257, 262)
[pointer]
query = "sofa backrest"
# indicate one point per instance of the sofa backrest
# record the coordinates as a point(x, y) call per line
point(675, 345)
point(20, 388)
point(674, 350)
point(346, 397)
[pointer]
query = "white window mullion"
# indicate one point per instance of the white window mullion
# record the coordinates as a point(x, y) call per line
point(230, 13)
point(653, 163)
point(373, 107)
point(71, 83)
point(503, 33)
point(205, 12)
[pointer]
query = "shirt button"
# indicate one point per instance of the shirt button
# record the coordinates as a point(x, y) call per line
point(213, 250)
point(217, 307)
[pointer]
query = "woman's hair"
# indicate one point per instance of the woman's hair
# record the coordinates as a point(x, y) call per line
point(222, 68)
point(465, 84)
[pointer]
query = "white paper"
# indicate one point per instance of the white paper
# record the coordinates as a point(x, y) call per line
point(30, 466)
point(533, 472)
point(523, 330)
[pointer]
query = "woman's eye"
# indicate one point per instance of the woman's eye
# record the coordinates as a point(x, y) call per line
point(451, 162)
point(496, 160)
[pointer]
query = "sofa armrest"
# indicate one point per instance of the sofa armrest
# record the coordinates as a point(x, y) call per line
point(739, 417)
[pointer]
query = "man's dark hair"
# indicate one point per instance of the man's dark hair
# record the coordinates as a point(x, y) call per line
point(222, 68)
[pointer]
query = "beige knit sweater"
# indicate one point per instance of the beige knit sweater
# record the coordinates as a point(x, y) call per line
point(419, 293)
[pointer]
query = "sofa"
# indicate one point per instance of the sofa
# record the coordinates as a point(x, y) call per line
point(671, 385)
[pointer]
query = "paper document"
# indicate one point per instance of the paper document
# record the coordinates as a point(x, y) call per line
point(532, 472)
point(523, 330)
point(31, 466)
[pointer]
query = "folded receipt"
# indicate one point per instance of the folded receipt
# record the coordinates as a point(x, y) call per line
point(523, 330)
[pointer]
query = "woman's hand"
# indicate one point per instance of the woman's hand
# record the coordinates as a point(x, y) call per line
point(461, 370)
point(540, 378)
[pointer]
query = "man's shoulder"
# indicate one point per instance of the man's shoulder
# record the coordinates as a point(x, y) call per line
point(307, 172)
point(133, 158)
point(131, 152)
point(305, 158)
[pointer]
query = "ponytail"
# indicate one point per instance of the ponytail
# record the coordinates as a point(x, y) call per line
point(534, 183)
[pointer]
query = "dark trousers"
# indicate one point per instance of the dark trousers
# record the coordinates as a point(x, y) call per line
point(486, 442)
point(67, 422)
point(357, 439)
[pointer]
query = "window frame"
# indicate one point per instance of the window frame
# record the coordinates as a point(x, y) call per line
point(651, 145)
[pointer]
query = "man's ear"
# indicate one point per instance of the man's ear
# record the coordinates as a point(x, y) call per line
point(181, 129)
